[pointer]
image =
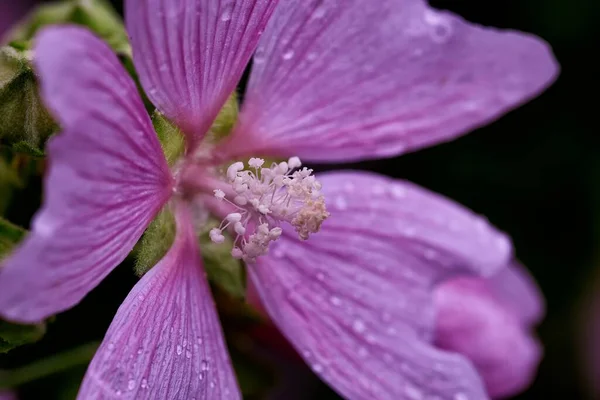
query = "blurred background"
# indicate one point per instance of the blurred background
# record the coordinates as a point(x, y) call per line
point(535, 174)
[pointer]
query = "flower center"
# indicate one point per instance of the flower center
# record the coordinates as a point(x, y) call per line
point(263, 198)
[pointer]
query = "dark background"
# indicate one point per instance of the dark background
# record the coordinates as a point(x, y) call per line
point(535, 174)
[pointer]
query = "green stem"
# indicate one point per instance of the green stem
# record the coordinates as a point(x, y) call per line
point(48, 366)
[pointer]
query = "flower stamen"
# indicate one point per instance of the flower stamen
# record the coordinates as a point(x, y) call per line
point(265, 197)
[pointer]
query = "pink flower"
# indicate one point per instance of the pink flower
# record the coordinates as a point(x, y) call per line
point(332, 81)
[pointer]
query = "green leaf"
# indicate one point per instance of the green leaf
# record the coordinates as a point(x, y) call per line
point(13, 335)
point(25, 124)
point(10, 236)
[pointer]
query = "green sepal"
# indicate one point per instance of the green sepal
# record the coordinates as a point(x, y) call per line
point(25, 124)
point(13, 335)
point(225, 121)
point(170, 137)
point(10, 236)
point(98, 15)
point(222, 269)
point(156, 242)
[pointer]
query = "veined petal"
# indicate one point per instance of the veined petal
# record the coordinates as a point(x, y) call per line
point(190, 54)
point(107, 179)
point(165, 341)
point(339, 81)
point(356, 299)
point(517, 290)
point(473, 322)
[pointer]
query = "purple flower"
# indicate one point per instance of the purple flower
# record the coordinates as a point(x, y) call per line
point(489, 321)
point(331, 81)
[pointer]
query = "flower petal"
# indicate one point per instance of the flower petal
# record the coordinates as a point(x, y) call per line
point(472, 322)
point(340, 81)
point(517, 290)
point(355, 300)
point(190, 54)
point(106, 181)
point(165, 341)
point(7, 396)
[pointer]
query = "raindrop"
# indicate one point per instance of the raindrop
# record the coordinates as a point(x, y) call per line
point(398, 192)
point(204, 365)
point(288, 55)
point(184, 342)
point(335, 300)
point(319, 12)
point(144, 384)
point(430, 254)
point(318, 368)
point(441, 29)
point(460, 396)
point(320, 276)
point(341, 203)
point(413, 393)
point(179, 350)
point(199, 340)
point(118, 392)
point(259, 56)
point(131, 385)
point(358, 326)
point(188, 354)
point(201, 375)
point(362, 352)
point(111, 346)
point(212, 384)
point(227, 12)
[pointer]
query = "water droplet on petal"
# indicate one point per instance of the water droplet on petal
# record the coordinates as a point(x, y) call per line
point(288, 55)
point(179, 350)
point(318, 368)
point(413, 393)
point(144, 384)
point(461, 396)
point(358, 326)
point(341, 203)
point(188, 354)
point(335, 300)
point(111, 346)
point(204, 365)
point(227, 12)
point(131, 385)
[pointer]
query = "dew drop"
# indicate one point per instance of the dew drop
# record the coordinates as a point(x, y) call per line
point(461, 396)
point(318, 368)
point(179, 350)
point(131, 385)
point(212, 384)
point(199, 340)
point(111, 346)
point(188, 354)
point(320, 276)
point(201, 375)
point(118, 392)
point(144, 384)
point(204, 365)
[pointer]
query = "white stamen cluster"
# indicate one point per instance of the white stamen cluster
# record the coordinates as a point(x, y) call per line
point(263, 198)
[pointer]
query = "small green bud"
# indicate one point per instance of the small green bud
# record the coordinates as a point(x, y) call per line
point(25, 124)
point(156, 242)
point(97, 15)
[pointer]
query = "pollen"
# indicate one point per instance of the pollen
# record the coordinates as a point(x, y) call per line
point(264, 199)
